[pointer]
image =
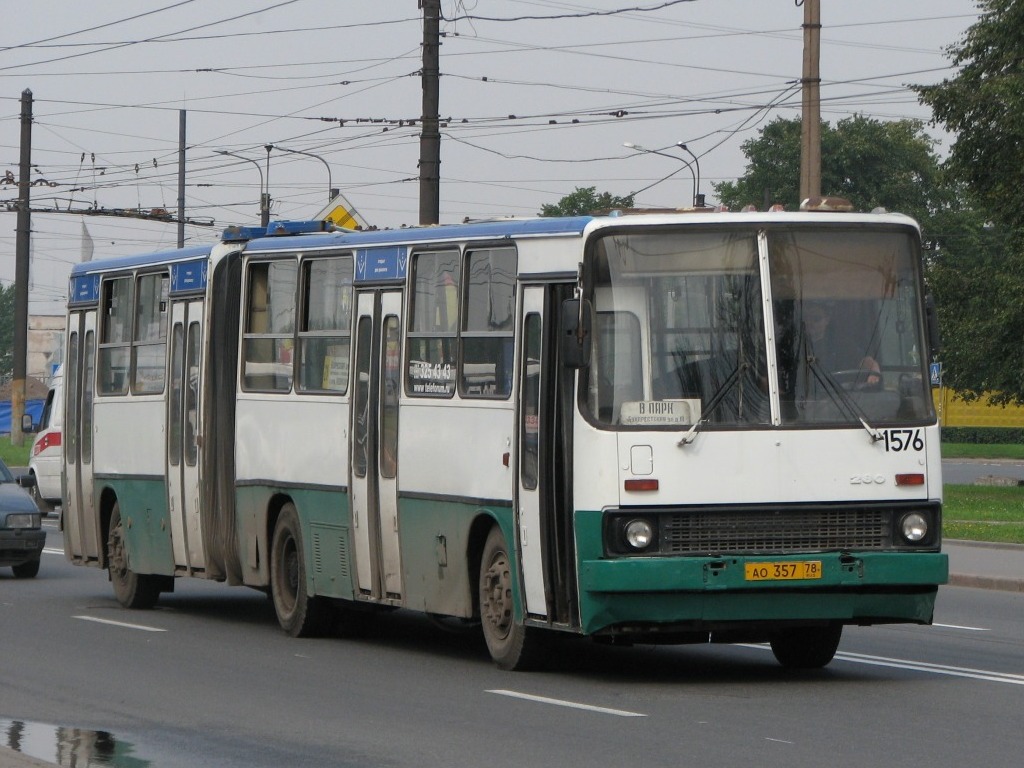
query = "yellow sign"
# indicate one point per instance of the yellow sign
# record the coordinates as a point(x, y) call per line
point(340, 217)
point(342, 213)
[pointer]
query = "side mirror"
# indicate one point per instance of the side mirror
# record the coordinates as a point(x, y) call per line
point(575, 333)
point(26, 423)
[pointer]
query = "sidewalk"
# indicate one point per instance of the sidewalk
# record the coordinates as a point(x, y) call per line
point(985, 565)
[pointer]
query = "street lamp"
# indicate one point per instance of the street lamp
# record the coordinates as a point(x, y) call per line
point(698, 198)
point(331, 191)
point(264, 196)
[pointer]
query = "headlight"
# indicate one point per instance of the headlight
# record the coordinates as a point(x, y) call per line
point(914, 527)
point(23, 520)
point(639, 534)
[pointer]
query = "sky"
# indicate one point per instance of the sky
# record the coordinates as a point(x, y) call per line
point(537, 98)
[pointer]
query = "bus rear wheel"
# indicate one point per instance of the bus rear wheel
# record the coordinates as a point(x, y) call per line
point(298, 614)
point(512, 646)
point(807, 647)
point(132, 590)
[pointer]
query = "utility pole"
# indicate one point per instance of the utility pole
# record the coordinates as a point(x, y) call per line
point(810, 133)
point(430, 135)
point(21, 267)
point(181, 178)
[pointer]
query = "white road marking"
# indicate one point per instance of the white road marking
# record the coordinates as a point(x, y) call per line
point(142, 627)
point(921, 666)
point(778, 741)
point(570, 704)
point(958, 626)
point(53, 551)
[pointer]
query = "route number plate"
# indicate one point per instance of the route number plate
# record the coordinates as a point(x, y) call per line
point(784, 570)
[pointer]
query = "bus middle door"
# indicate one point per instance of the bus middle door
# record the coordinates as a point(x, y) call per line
point(183, 444)
point(374, 449)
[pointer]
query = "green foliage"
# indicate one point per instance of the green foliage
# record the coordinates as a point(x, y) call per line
point(869, 162)
point(585, 200)
point(977, 273)
point(6, 331)
point(1011, 437)
point(14, 455)
point(982, 105)
point(983, 513)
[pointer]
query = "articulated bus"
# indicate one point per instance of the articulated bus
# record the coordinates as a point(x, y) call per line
point(681, 427)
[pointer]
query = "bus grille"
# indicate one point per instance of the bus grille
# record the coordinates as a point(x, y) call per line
point(765, 531)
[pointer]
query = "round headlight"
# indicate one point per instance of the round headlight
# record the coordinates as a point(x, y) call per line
point(914, 527)
point(639, 534)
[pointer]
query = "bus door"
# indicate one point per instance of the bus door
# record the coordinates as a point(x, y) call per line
point(78, 517)
point(374, 443)
point(183, 443)
point(544, 455)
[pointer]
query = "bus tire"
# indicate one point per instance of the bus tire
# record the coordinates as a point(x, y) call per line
point(807, 647)
point(512, 646)
point(298, 614)
point(132, 590)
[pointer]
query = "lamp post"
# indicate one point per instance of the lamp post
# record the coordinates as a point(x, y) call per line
point(331, 191)
point(698, 198)
point(264, 196)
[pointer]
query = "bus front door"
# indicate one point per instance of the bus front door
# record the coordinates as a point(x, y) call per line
point(82, 539)
point(374, 444)
point(183, 443)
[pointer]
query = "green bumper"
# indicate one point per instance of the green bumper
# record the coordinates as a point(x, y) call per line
point(705, 593)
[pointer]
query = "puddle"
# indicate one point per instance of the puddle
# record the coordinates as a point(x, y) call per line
point(69, 747)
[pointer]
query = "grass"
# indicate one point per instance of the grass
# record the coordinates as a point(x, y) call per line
point(982, 451)
point(983, 513)
point(15, 456)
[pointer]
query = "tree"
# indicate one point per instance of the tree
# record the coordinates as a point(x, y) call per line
point(982, 105)
point(869, 162)
point(585, 200)
point(979, 281)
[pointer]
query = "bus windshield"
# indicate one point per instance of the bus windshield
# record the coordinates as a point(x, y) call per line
point(745, 327)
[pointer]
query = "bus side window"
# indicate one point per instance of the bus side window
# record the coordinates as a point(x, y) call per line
point(326, 317)
point(270, 326)
point(115, 335)
point(434, 323)
point(487, 326)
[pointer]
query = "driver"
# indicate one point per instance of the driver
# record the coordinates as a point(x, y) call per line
point(829, 351)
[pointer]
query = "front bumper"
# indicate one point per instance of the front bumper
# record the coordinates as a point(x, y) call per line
point(21, 546)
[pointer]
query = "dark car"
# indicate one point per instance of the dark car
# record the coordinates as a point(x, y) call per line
point(21, 533)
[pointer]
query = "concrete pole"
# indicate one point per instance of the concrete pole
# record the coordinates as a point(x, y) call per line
point(430, 134)
point(810, 135)
point(21, 272)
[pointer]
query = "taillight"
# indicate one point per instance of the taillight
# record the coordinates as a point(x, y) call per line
point(49, 440)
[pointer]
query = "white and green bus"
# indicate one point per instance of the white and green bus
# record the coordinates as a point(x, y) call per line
point(654, 428)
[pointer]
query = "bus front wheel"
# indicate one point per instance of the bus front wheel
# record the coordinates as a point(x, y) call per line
point(807, 647)
point(298, 614)
point(132, 590)
point(512, 645)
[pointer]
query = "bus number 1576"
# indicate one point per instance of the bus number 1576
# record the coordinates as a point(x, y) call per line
point(903, 439)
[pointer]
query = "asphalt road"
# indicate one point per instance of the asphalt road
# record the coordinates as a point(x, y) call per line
point(208, 679)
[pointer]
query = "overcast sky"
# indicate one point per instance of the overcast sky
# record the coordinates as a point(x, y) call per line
point(538, 96)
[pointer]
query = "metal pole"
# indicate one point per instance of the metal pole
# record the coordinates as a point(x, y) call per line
point(21, 272)
point(430, 137)
point(698, 198)
point(265, 211)
point(810, 136)
point(181, 178)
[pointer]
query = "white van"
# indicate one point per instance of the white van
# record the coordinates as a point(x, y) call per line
point(47, 449)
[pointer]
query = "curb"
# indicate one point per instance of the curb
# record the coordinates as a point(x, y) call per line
point(985, 582)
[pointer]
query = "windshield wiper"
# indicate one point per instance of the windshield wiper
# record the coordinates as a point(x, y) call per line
point(842, 398)
point(690, 435)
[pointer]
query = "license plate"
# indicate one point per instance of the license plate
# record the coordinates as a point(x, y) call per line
point(783, 570)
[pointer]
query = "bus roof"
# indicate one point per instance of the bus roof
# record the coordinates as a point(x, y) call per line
point(142, 260)
point(483, 230)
